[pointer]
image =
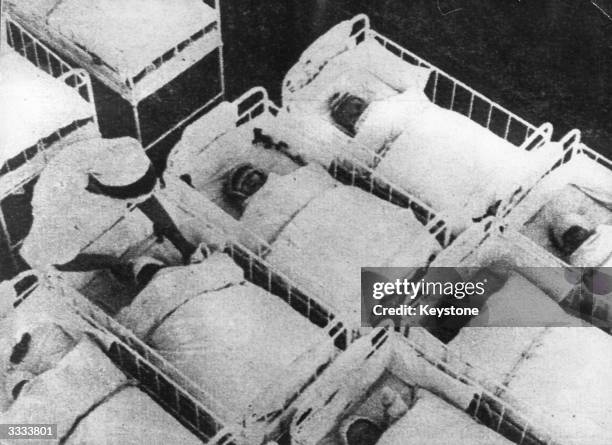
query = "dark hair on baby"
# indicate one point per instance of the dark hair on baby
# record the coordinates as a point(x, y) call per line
point(573, 238)
point(363, 432)
point(345, 110)
point(244, 181)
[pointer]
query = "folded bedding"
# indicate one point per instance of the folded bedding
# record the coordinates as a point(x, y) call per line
point(229, 336)
point(35, 337)
point(473, 167)
point(126, 35)
point(92, 402)
point(368, 70)
point(432, 421)
point(560, 372)
point(331, 231)
point(33, 105)
point(407, 131)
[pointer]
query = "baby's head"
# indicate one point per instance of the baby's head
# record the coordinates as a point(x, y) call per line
point(346, 110)
point(570, 232)
point(244, 181)
point(362, 431)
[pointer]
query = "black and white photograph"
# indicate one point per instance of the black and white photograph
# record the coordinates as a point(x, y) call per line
point(306, 222)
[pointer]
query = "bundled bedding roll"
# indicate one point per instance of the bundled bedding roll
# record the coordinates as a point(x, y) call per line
point(331, 232)
point(35, 337)
point(456, 165)
point(432, 421)
point(229, 336)
point(562, 372)
point(92, 402)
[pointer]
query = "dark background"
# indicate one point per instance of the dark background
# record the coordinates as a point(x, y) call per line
point(545, 60)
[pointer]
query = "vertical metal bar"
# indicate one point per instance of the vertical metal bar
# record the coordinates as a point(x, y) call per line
point(471, 105)
point(137, 122)
point(453, 95)
point(435, 88)
point(489, 115)
point(501, 418)
point(6, 32)
point(508, 122)
point(35, 45)
point(524, 433)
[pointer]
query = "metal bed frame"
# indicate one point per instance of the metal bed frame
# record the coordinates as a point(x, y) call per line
point(482, 243)
point(487, 406)
point(159, 73)
point(154, 374)
point(442, 89)
point(258, 421)
point(27, 165)
point(255, 104)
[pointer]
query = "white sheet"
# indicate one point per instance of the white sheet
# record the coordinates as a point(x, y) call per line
point(562, 372)
point(129, 34)
point(432, 421)
point(367, 70)
point(433, 148)
point(229, 336)
point(85, 380)
point(329, 235)
point(33, 105)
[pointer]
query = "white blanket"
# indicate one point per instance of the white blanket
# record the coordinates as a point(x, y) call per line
point(282, 198)
point(432, 421)
point(229, 336)
point(323, 241)
point(129, 34)
point(86, 379)
point(33, 105)
point(458, 166)
point(563, 373)
point(369, 71)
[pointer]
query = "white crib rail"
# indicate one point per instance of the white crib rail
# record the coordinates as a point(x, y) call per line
point(154, 374)
point(442, 89)
point(23, 42)
point(255, 103)
point(506, 415)
point(571, 147)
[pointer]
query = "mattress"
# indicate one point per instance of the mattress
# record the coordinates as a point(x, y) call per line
point(91, 401)
point(562, 373)
point(231, 338)
point(129, 35)
point(33, 105)
point(432, 421)
point(325, 239)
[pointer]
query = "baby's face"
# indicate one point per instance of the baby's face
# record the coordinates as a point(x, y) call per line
point(349, 111)
point(253, 182)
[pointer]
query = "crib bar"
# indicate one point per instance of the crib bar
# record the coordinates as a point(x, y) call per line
point(509, 421)
point(142, 362)
point(405, 54)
